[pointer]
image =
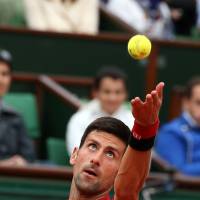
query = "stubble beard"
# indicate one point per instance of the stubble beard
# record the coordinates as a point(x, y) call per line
point(87, 187)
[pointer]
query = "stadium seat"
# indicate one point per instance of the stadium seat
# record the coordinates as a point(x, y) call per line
point(57, 151)
point(25, 104)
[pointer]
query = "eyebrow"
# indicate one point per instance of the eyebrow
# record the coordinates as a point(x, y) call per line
point(108, 147)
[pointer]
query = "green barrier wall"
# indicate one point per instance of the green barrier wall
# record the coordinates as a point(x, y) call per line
point(176, 65)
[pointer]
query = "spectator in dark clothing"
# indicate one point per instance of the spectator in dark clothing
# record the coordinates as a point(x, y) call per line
point(16, 149)
point(184, 15)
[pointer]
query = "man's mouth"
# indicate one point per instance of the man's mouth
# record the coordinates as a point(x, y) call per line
point(90, 172)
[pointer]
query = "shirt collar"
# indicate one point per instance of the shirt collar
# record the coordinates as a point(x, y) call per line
point(98, 110)
point(191, 121)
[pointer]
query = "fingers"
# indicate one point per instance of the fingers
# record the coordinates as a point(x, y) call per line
point(156, 99)
point(137, 101)
point(159, 89)
point(149, 99)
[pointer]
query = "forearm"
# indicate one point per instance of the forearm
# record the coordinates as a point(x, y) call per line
point(132, 174)
point(134, 166)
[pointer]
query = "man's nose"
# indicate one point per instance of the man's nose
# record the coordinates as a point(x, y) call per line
point(112, 97)
point(96, 159)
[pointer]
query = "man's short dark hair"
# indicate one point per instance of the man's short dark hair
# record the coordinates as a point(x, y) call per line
point(190, 85)
point(111, 72)
point(6, 57)
point(109, 125)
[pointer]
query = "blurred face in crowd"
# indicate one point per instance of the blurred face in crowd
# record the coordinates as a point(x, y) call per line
point(111, 94)
point(192, 104)
point(5, 78)
point(96, 163)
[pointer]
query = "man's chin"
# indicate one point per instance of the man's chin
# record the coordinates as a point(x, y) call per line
point(87, 184)
point(111, 110)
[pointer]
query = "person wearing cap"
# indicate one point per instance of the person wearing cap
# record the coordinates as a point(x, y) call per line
point(16, 148)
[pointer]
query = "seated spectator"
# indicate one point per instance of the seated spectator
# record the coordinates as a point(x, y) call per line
point(184, 15)
point(154, 16)
point(110, 93)
point(79, 16)
point(16, 149)
point(178, 141)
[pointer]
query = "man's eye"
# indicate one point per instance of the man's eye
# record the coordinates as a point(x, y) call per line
point(110, 154)
point(92, 147)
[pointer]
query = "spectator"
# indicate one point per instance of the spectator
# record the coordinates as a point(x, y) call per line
point(154, 16)
point(178, 141)
point(184, 15)
point(80, 16)
point(110, 92)
point(16, 149)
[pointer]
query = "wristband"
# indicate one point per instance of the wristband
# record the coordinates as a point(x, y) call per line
point(145, 132)
point(142, 144)
point(142, 138)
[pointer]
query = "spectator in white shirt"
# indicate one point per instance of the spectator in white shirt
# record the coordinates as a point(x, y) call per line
point(110, 89)
point(75, 16)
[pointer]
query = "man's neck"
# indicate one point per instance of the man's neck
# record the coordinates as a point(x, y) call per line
point(76, 195)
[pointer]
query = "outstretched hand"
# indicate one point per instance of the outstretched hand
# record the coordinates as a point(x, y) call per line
point(146, 112)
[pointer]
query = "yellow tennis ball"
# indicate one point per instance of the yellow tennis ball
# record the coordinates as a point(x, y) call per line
point(139, 47)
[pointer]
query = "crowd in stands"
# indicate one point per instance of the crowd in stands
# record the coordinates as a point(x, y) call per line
point(155, 18)
point(177, 141)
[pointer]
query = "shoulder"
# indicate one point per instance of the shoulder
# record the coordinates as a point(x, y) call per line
point(9, 111)
point(11, 115)
point(83, 113)
point(125, 115)
point(175, 126)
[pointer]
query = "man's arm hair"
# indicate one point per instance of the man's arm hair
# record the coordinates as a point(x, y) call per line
point(132, 173)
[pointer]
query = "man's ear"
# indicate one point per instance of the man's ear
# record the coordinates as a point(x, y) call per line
point(74, 156)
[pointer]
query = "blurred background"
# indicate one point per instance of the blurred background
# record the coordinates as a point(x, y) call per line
point(57, 46)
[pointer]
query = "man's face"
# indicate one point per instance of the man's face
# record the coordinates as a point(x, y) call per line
point(96, 163)
point(5, 78)
point(111, 94)
point(193, 104)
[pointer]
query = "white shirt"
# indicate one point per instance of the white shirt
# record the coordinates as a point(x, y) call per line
point(80, 16)
point(91, 111)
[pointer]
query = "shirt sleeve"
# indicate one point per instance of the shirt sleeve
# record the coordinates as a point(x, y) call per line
point(74, 132)
point(170, 146)
point(192, 169)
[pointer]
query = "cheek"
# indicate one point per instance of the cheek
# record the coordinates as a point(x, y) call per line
point(5, 81)
point(110, 170)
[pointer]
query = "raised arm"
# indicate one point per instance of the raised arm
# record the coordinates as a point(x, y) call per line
point(135, 163)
